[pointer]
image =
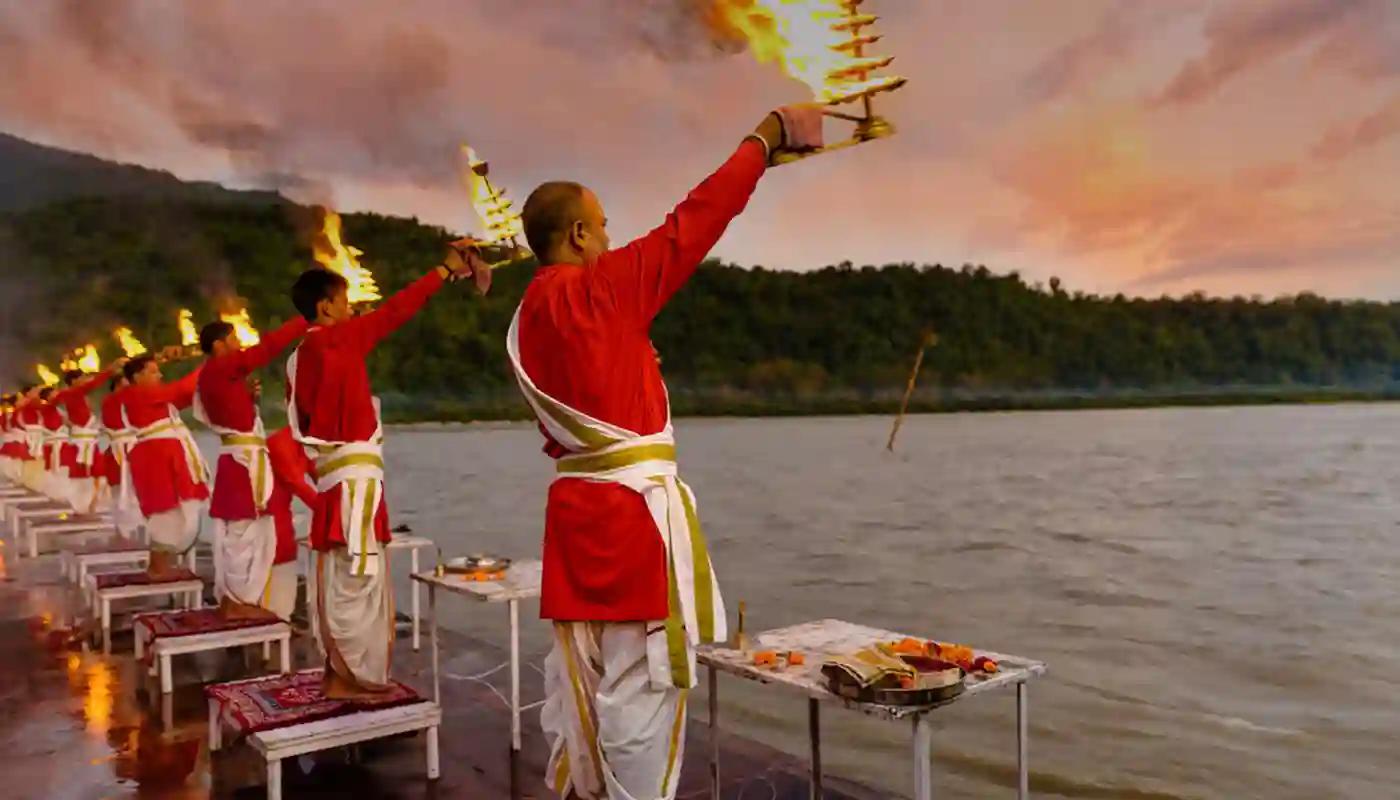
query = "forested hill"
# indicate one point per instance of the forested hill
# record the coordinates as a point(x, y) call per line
point(839, 338)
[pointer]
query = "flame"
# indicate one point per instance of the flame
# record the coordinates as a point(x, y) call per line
point(189, 335)
point(129, 343)
point(69, 363)
point(88, 362)
point(491, 205)
point(242, 327)
point(337, 257)
point(818, 42)
point(46, 375)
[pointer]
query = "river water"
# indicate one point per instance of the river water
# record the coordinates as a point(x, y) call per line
point(1216, 591)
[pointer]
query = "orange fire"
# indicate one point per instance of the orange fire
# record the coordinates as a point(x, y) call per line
point(46, 375)
point(189, 335)
point(70, 361)
point(500, 223)
point(130, 345)
point(819, 42)
point(331, 253)
point(88, 361)
point(242, 327)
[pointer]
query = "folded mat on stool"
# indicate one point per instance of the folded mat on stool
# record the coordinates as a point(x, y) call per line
point(283, 700)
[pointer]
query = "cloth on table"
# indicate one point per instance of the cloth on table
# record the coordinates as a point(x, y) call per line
point(284, 700)
point(868, 666)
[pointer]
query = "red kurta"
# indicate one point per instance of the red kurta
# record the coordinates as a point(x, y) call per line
point(159, 472)
point(30, 418)
point(292, 470)
point(111, 418)
point(74, 402)
point(584, 340)
point(228, 402)
point(11, 449)
point(53, 423)
point(333, 397)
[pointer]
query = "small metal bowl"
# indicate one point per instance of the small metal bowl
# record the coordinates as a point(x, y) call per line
point(474, 564)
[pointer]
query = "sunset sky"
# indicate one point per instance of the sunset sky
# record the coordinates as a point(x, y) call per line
point(1138, 146)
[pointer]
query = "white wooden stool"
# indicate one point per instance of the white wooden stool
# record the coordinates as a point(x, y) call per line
point(163, 648)
point(190, 590)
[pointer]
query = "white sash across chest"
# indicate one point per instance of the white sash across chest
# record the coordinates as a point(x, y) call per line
point(357, 467)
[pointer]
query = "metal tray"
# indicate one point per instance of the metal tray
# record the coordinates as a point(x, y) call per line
point(470, 565)
point(840, 685)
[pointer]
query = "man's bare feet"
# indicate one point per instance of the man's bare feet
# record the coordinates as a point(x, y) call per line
point(336, 687)
point(232, 609)
point(162, 564)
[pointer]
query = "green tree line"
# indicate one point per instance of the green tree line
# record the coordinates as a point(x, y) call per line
point(735, 340)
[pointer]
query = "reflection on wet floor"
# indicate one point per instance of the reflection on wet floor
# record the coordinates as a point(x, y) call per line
point(81, 726)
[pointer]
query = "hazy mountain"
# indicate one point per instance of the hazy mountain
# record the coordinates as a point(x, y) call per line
point(33, 175)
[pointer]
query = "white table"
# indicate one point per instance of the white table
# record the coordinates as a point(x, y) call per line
point(190, 590)
point(816, 641)
point(400, 542)
point(163, 648)
point(520, 582)
point(27, 506)
point(311, 737)
point(73, 524)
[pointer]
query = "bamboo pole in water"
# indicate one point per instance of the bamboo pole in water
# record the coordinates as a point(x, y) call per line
point(930, 338)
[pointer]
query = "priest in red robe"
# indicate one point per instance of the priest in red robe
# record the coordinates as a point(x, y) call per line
point(245, 539)
point(78, 459)
point(168, 473)
point(116, 489)
point(627, 576)
point(333, 412)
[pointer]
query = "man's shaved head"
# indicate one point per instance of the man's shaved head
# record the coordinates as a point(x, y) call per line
point(549, 211)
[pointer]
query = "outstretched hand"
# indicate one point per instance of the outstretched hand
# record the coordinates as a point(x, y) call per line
point(464, 261)
point(792, 129)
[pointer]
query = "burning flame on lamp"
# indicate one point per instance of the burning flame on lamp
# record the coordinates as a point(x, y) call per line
point(189, 335)
point(130, 345)
point(46, 375)
point(501, 225)
point(331, 253)
point(88, 361)
point(242, 327)
point(823, 44)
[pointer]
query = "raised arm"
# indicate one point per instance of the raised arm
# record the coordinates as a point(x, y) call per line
point(177, 393)
point(262, 353)
point(368, 330)
point(645, 273)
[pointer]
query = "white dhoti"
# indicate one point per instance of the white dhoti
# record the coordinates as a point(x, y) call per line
point(9, 469)
point(613, 733)
point(32, 475)
point(354, 618)
point(281, 595)
point(243, 554)
point(176, 530)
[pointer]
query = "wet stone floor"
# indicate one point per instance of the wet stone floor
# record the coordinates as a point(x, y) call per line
point(77, 725)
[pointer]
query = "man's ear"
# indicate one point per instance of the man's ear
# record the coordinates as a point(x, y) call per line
point(576, 234)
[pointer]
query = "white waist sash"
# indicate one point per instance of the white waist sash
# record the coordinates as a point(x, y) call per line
point(603, 452)
point(356, 467)
point(173, 429)
point(84, 438)
point(248, 448)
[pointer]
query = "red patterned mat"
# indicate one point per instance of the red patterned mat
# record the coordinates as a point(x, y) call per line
point(112, 580)
point(190, 623)
point(284, 700)
point(109, 546)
